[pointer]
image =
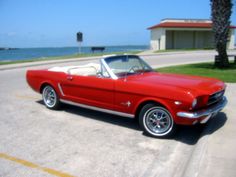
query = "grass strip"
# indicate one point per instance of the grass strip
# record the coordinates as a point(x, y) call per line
point(203, 69)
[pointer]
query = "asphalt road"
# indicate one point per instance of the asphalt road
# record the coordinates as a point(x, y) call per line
point(156, 60)
point(35, 141)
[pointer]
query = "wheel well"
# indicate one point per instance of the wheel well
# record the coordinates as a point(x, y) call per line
point(144, 103)
point(42, 86)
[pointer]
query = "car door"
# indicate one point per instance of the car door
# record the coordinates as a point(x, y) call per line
point(89, 90)
point(126, 96)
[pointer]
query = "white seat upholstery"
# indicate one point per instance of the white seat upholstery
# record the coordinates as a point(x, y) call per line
point(90, 69)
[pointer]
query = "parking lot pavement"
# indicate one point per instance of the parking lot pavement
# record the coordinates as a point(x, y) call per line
point(79, 142)
point(215, 153)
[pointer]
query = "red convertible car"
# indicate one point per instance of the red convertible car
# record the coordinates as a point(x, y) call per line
point(127, 86)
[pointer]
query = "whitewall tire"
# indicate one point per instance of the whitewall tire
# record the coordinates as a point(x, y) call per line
point(156, 121)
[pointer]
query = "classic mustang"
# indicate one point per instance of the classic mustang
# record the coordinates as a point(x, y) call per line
point(127, 86)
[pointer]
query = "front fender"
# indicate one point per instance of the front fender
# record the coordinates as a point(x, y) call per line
point(168, 104)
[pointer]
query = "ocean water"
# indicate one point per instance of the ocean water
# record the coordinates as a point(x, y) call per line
point(31, 53)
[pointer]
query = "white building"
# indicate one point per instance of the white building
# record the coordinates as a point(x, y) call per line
point(185, 34)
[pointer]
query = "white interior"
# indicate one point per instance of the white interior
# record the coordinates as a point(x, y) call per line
point(90, 69)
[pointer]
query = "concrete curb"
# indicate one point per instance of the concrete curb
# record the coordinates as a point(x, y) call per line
point(193, 165)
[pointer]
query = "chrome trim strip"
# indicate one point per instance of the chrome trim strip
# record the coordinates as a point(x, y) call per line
point(97, 109)
point(211, 110)
point(60, 89)
point(205, 120)
point(113, 76)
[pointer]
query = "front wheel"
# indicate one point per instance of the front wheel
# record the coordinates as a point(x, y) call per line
point(50, 98)
point(156, 121)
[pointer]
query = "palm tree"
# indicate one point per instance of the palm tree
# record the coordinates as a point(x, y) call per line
point(220, 13)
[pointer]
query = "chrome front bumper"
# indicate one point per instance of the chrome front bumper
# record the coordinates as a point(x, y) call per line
point(211, 111)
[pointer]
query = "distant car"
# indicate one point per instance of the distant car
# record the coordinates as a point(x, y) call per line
point(127, 86)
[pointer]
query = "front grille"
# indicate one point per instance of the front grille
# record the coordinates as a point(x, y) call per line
point(214, 98)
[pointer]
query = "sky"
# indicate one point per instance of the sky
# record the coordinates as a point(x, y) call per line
point(54, 23)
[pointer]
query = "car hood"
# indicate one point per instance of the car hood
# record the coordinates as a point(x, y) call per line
point(196, 84)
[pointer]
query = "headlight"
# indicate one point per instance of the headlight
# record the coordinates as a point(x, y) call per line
point(194, 103)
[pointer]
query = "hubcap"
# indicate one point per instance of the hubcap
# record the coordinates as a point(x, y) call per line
point(158, 121)
point(49, 96)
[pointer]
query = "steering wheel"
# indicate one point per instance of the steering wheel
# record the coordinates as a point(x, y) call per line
point(133, 68)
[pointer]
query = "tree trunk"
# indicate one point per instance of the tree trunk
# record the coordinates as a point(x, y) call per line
point(223, 61)
point(220, 12)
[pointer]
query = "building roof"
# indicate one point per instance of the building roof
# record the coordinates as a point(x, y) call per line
point(184, 23)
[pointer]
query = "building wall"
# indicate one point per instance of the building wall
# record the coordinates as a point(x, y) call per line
point(200, 39)
point(209, 40)
point(189, 39)
point(170, 39)
point(183, 40)
point(232, 39)
point(158, 39)
point(180, 38)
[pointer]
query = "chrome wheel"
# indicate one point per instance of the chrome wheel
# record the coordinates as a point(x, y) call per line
point(49, 97)
point(157, 121)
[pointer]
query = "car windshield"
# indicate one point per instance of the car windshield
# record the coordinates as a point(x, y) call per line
point(126, 65)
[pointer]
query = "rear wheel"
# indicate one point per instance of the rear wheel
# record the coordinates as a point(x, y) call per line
point(156, 121)
point(50, 98)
